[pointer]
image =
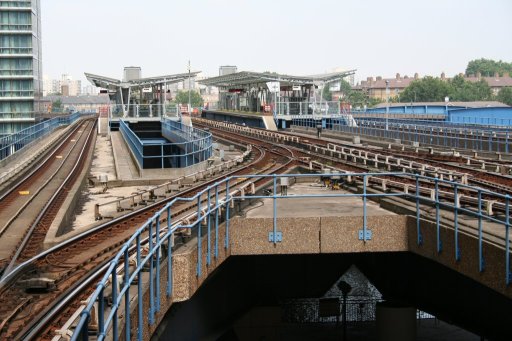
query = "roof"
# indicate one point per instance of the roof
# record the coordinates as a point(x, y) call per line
point(249, 77)
point(394, 83)
point(494, 82)
point(476, 104)
point(400, 83)
point(114, 84)
point(78, 100)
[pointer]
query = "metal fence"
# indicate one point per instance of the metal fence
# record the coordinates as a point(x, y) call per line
point(13, 143)
point(432, 133)
point(359, 309)
point(213, 208)
point(189, 146)
point(158, 110)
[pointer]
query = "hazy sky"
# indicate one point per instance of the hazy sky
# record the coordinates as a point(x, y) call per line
point(376, 37)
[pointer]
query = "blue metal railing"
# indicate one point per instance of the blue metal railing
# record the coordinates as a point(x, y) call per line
point(189, 146)
point(434, 133)
point(220, 196)
point(11, 144)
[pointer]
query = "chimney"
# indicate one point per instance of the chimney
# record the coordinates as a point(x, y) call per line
point(443, 76)
point(369, 79)
point(478, 75)
point(416, 76)
point(379, 78)
point(397, 76)
point(406, 77)
point(496, 75)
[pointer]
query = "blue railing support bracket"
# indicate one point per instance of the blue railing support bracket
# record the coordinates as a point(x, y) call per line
point(365, 234)
point(276, 237)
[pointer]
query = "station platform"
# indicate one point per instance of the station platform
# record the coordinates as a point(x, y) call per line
point(258, 120)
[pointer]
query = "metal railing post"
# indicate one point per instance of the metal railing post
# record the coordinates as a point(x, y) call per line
point(101, 312)
point(274, 203)
point(481, 264)
point(418, 223)
point(438, 227)
point(151, 284)
point(456, 221)
point(115, 305)
point(199, 242)
point(208, 227)
point(127, 295)
point(507, 240)
point(169, 252)
point(217, 208)
point(157, 280)
point(139, 291)
point(365, 218)
point(85, 331)
point(227, 203)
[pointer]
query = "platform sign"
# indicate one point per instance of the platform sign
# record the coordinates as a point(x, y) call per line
point(296, 88)
point(146, 90)
point(274, 86)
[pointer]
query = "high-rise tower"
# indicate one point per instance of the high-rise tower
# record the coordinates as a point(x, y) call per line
point(20, 64)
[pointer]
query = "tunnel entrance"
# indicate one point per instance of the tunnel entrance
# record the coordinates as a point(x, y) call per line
point(286, 297)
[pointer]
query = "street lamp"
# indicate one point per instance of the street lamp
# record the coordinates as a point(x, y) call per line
point(387, 103)
point(189, 103)
point(446, 101)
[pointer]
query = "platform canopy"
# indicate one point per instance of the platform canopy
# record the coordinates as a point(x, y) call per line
point(114, 84)
point(248, 77)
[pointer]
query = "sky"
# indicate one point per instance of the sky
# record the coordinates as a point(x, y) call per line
point(298, 37)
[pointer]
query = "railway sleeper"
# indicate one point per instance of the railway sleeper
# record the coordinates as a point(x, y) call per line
point(38, 284)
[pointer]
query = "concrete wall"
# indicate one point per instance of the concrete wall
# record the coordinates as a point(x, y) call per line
point(324, 235)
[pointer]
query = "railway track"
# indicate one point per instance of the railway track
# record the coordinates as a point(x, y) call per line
point(80, 257)
point(299, 144)
point(492, 181)
point(73, 265)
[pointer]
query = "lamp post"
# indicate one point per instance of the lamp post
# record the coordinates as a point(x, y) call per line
point(345, 289)
point(387, 103)
point(446, 101)
point(189, 103)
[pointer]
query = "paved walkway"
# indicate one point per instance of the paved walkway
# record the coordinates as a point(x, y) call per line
point(124, 164)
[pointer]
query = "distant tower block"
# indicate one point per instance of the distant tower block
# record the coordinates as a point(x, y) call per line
point(227, 70)
point(131, 73)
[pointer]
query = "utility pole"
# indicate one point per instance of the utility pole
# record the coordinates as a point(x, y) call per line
point(189, 103)
point(387, 103)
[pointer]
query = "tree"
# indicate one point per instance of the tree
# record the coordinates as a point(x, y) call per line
point(359, 99)
point(345, 90)
point(326, 92)
point(195, 98)
point(428, 89)
point(463, 90)
point(505, 95)
point(488, 67)
point(57, 105)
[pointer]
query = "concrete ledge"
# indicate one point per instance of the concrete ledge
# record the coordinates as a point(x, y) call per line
point(249, 236)
point(389, 233)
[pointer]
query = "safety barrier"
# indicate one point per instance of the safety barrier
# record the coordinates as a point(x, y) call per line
point(11, 144)
point(213, 209)
point(429, 134)
point(190, 146)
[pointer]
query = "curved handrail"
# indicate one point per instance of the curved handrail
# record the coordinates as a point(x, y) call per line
point(162, 235)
